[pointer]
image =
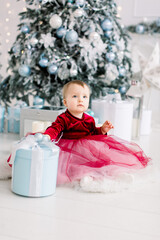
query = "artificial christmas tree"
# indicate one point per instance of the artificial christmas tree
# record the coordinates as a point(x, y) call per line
point(63, 40)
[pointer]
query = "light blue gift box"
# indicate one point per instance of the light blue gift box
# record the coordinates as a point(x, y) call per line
point(14, 119)
point(32, 178)
point(2, 111)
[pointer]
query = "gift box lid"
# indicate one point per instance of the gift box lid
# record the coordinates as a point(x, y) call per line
point(27, 153)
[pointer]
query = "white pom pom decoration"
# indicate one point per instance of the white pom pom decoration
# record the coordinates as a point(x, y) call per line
point(55, 21)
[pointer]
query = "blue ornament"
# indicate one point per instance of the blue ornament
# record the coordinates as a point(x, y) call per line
point(25, 29)
point(90, 112)
point(38, 137)
point(71, 36)
point(45, 138)
point(52, 69)
point(140, 28)
point(122, 71)
point(122, 90)
point(80, 3)
point(110, 56)
point(158, 22)
point(43, 62)
point(108, 33)
point(106, 24)
point(61, 32)
point(16, 48)
point(24, 70)
point(38, 102)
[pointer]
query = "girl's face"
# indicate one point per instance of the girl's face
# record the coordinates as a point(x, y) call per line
point(77, 99)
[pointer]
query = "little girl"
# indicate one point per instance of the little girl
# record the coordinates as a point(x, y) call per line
point(87, 153)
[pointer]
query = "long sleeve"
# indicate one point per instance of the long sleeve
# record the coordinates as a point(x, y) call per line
point(56, 128)
point(95, 130)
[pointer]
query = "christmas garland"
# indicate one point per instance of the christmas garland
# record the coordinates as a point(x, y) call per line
point(145, 27)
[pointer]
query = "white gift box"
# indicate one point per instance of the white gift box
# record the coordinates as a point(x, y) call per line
point(37, 120)
point(14, 119)
point(2, 112)
point(145, 126)
point(120, 114)
point(40, 126)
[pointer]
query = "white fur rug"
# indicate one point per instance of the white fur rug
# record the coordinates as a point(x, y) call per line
point(5, 169)
point(89, 184)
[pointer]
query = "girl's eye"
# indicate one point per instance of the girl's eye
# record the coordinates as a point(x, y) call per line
point(84, 96)
point(74, 96)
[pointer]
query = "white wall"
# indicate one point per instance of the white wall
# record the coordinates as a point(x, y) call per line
point(134, 11)
point(9, 20)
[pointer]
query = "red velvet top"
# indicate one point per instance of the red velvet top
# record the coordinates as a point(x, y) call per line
point(72, 127)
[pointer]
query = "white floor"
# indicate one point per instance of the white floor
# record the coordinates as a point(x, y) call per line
point(74, 215)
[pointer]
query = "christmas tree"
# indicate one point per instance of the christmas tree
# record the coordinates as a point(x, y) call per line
point(63, 40)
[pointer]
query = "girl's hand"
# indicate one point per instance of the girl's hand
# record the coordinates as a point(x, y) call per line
point(106, 127)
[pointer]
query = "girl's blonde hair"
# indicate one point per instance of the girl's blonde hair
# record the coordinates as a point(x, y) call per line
point(66, 86)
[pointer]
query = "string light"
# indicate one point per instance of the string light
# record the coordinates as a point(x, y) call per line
point(119, 8)
point(8, 5)
point(145, 19)
point(7, 31)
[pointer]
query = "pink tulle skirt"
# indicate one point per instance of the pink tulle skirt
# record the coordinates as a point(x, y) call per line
point(98, 156)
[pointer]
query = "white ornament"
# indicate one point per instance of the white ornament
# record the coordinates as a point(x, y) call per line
point(94, 36)
point(55, 21)
point(78, 13)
